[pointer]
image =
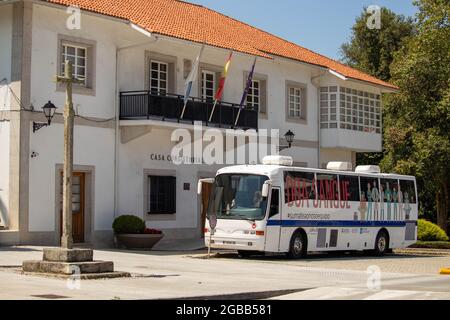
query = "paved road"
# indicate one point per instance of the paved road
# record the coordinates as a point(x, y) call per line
point(159, 275)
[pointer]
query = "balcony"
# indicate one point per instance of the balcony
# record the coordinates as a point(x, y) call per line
point(148, 105)
point(350, 139)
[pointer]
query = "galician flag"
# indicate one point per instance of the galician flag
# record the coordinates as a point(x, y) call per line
point(190, 80)
point(219, 93)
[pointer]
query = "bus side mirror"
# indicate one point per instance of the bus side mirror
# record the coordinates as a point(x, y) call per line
point(266, 188)
point(201, 182)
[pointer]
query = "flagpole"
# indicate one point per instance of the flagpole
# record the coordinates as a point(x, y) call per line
point(212, 112)
point(237, 118)
point(184, 109)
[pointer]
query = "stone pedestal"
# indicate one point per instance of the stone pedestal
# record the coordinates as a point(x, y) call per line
point(70, 262)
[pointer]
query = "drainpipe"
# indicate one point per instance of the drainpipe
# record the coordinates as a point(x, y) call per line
point(117, 110)
point(316, 83)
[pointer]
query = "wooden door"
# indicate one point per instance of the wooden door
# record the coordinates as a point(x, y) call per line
point(78, 205)
point(207, 189)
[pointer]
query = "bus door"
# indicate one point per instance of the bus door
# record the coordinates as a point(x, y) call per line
point(273, 229)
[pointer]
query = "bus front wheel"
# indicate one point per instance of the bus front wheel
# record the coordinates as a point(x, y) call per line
point(381, 243)
point(298, 246)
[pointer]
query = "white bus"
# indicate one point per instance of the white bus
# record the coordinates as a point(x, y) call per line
point(278, 208)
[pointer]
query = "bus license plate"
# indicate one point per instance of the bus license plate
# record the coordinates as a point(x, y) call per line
point(229, 242)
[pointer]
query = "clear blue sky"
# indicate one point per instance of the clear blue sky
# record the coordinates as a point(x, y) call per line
point(319, 25)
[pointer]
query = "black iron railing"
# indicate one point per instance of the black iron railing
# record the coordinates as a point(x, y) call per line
point(168, 107)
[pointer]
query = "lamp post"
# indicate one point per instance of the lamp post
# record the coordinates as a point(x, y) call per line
point(49, 112)
point(289, 136)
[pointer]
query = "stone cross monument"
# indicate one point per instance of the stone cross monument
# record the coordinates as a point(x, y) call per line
point(69, 115)
point(67, 261)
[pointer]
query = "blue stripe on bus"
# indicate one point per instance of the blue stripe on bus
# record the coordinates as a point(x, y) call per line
point(325, 223)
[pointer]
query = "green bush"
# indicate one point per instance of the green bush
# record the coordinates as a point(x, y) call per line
point(128, 225)
point(428, 231)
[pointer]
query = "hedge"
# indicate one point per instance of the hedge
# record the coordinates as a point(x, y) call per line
point(428, 231)
point(128, 225)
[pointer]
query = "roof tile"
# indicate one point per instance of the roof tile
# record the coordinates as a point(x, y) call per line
point(196, 23)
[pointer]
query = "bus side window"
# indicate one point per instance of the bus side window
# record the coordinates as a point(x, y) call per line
point(274, 203)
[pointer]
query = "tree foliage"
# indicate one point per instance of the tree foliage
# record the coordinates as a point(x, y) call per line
point(416, 119)
point(371, 50)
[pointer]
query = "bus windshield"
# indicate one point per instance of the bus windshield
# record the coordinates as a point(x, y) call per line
point(238, 197)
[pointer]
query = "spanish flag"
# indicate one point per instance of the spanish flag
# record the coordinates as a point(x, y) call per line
point(219, 93)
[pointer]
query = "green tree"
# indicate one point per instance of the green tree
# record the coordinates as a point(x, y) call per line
point(416, 119)
point(371, 50)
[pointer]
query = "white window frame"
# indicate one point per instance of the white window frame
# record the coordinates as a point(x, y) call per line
point(295, 102)
point(204, 83)
point(252, 97)
point(159, 88)
point(359, 110)
point(76, 66)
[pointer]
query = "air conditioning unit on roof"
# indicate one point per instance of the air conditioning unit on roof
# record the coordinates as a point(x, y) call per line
point(368, 169)
point(339, 166)
point(278, 161)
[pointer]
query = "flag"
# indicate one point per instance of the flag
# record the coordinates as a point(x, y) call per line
point(249, 84)
point(246, 90)
point(221, 85)
point(223, 78)
point(190, 80)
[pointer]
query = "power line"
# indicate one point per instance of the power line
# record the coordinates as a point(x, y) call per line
point(31, 109)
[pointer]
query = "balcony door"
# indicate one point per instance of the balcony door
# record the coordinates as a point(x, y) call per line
point(159, 77)
point(208, 85)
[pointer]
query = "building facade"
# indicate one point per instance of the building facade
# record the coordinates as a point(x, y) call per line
point(128, 108)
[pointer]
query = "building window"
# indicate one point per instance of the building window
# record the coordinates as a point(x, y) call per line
point(78, 56)
point(159, 77)
point(328, 107)
point(254, 95)
point(358, 110)
point(208, 85)
point(161, 195)
point(295, 102)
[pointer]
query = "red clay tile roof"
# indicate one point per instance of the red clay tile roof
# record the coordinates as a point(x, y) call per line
point(192, 22)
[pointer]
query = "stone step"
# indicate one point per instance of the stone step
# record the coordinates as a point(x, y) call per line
point(68, 255)
point(68, 268)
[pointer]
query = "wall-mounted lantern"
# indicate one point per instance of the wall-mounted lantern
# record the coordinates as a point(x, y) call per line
point(49, 112)
point(289, 136)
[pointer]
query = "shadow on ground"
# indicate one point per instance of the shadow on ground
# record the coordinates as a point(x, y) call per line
point(332, 256)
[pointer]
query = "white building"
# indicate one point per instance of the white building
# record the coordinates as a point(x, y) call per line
point(122, 139)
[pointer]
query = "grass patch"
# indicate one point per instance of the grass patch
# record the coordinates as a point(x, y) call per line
point(432, 245)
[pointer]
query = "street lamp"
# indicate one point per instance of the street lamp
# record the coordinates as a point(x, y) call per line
point(289, 136)
point(49, 112)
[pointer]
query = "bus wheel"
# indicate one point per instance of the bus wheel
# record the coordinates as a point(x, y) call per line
point(245, 254)
point(381, 244)
point(297, 247)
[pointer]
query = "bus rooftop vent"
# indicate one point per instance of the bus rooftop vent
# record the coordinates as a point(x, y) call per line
point(368, 169)
point(340, 166)
point(278, 161)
